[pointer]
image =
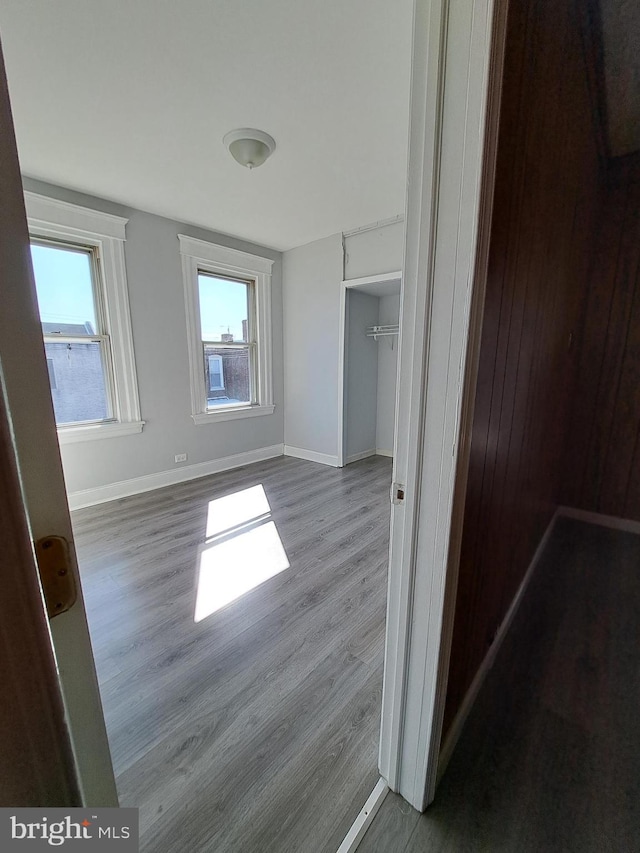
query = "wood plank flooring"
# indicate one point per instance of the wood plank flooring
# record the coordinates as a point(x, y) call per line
point(255, 729)
point(550, 757)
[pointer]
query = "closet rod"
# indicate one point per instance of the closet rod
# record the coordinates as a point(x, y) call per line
point(381, 331)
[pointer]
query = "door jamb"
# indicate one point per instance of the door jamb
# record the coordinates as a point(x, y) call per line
point(457, 48)
point(485, 218)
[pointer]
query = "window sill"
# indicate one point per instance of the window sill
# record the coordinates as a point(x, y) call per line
point(89, 432)
point(231, 414)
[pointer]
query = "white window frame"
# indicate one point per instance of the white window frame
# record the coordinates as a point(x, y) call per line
point(104, 233)
point(202, 256)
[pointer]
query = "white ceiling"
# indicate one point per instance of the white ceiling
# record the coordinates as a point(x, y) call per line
point(130, 99)
point(621, 38)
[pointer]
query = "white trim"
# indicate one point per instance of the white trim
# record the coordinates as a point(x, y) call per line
point(58, 220)
point(380, 452)
point(231, 414)
point(311, 455)
point(373, 226)
point(91, 432)
point(423, 166)
point(365, 280)
point(45, 211)
point(224, 257)
point(149, 482)
point(460, 719)
point(476, 317)
point(612, 521)
point(365, 818)
point(452, 48)
point(209, 257)
point(364, 454)
point(342, 370)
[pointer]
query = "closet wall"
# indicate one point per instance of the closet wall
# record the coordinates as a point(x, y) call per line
point(603, 449)
point(361, 365)
point(370, 374)
point(546, 201)
point(387, 376)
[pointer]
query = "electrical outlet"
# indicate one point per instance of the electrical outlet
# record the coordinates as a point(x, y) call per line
point(181, 457)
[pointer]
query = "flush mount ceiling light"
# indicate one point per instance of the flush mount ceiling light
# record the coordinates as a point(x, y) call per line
point(249, 147)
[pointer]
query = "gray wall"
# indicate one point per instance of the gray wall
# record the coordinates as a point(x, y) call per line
point(312, 275)
point(159, 335)
point(361, 373)
point(387, 375)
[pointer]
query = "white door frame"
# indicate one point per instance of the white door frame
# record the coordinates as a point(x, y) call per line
point(342, 352)
point(454, 64)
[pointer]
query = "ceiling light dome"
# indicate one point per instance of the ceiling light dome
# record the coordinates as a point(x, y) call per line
point(249, 147)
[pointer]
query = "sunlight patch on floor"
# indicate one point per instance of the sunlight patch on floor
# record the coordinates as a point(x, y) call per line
point(239, 508)
point(242, 550)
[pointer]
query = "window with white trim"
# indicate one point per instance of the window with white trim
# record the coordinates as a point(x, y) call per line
point(79, 270)
point(228, 307)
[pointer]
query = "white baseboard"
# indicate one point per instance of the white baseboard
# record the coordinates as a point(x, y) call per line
point(612, 521)
point(362, 823)
point(125, 488)
point(380, 452)
point(449, 744)
point(311, 455)
point(356, 457)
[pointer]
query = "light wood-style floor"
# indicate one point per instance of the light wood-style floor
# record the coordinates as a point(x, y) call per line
point(549, 761)
point(255, 729)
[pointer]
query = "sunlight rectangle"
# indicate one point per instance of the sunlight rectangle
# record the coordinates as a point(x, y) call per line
point(233, 566)
point(235, 510)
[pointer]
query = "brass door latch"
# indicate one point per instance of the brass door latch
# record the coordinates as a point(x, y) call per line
point(56, 577)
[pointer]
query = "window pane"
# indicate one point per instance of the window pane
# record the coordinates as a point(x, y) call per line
point(216, 373)
point(77, 381)
point(65, 290)
point(224, 309)
point(234, 376)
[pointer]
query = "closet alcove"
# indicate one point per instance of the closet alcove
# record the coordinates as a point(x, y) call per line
point(370, 340)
